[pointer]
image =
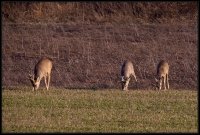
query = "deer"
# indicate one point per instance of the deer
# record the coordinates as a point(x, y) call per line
point(127, 71)
point(162, 75)
point(42, 70)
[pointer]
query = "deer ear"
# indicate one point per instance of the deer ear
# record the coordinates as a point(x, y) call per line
point(122, 79)
point(37, 79)
point(29, 76)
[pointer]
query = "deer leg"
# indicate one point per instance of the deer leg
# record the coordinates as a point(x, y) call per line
point(164, 82)
point(45, 80)
point(126, 84)
point(49, 77)
point(136, 80)
point(167, 81)
point(122, 83)
point(160, 85)
point(135, 77)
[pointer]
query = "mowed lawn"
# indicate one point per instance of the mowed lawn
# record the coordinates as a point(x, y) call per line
point(111, 110)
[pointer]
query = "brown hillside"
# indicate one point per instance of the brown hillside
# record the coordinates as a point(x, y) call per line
point(100, 12)
point(88, 49)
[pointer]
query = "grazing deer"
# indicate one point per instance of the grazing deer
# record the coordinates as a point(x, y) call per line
point(127, 71)
point(162, 74)
point(42, 69)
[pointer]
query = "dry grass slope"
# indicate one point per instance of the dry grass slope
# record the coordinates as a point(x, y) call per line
point(92, 40)
point(100, 12)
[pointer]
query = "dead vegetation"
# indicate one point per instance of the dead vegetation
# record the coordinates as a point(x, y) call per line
point(100, 12)
point(89, 41)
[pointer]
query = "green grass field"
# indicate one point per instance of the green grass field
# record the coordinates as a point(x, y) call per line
point(79, 110)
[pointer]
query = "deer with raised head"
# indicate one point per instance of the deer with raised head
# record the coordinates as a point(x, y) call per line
point(42, 69)
point(162, 75)
point(127, 71)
